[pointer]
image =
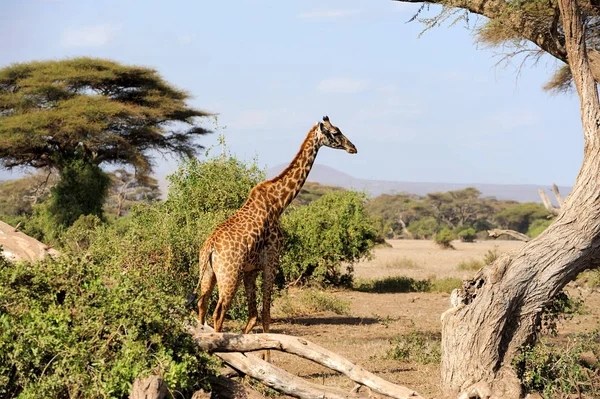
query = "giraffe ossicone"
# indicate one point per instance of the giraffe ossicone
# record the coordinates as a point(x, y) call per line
point(250, 241)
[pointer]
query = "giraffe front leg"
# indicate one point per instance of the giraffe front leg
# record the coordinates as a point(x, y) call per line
point(250, 289)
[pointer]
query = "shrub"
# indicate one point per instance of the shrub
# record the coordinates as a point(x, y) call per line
point(407, 284)
point(392, 284)
point(561, 371)
point(537, 227)
point(424, 228)
point(417, 346)
point(467, 235)
point(444, 238)
point(491, 255)
point(322, 236)
point(166, 237)
point(75, 328)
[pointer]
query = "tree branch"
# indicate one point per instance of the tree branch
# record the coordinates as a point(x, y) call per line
point(495, 233)
point(281, 380)
point(547, 203)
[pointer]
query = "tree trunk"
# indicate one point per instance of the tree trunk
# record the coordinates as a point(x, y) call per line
point(502, 304)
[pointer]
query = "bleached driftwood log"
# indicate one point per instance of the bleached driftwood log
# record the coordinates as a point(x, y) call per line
point(495, 233)
point(18, 246)
point(224, 343)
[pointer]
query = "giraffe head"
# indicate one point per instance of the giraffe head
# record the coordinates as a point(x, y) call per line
point(330, 136)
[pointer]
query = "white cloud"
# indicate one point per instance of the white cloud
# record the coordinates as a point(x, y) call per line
point(89, 36)
point(327, 14)
point(342, 85)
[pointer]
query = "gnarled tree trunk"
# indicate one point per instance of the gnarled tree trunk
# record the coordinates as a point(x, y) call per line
point(501, 305)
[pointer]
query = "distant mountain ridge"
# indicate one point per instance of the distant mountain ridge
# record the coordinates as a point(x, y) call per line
point(326, 175)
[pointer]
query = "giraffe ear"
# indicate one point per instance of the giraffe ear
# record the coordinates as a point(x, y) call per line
point(321, 127)
point(325, 118)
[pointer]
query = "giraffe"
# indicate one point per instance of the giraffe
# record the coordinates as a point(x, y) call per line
point(250, 241)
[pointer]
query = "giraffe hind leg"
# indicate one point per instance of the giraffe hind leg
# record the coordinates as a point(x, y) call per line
point(250, 290)
point(207, 285)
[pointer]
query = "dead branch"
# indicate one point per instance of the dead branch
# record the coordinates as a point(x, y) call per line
point(547, 204)
point(283, 381)
point(559, 198)
point(495, 233)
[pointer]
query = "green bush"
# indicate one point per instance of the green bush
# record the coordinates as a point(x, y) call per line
point(75, 328)
point(537, 227)
point(392, 285)
point(444, 238)
point(467, 235)
point(322, 236)
point(417, 347)
point(166, 236)
point(424, 228)
point(561, 371)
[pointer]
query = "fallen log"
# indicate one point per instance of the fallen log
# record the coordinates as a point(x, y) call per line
point(224, 343)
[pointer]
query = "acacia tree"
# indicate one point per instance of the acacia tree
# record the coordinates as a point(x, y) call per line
point(499, 310)
point(77, 114)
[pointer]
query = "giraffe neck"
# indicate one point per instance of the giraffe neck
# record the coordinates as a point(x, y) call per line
point(286, 186)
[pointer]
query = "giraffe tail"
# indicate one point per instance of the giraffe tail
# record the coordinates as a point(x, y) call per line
point(205, 258)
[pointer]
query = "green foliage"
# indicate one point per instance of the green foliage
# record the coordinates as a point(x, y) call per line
point(561, 371)
point(417, 346)
point(491, 255)
point(166, 236)
point(387, 209)
point(467, 235)
point(320, 237)
point(392, 285)
point(80, 191)
point(424, 228)
point(444, 238)
point(537, 227)
point(520, 216)
point(94, 110)
point(72, 327)
point(562, 306)
point(312, 191)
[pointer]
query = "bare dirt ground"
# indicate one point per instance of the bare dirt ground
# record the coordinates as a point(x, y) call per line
point(373, 320)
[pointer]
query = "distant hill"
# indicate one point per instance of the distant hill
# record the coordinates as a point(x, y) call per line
point(329, 176)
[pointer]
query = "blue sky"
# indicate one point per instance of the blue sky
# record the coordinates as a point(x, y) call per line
point(434, 108)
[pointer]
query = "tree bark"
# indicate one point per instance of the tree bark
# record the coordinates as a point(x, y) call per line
point(501, 306)
point(281, 380)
